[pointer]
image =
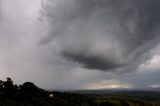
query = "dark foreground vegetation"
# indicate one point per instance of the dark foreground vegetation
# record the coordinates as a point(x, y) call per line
point(28, 94)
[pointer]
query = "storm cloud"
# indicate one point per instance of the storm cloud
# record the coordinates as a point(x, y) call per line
point(107, 35)
point(80, 44)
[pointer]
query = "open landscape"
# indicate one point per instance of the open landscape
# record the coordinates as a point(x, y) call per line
point(79, 52)
point(28, 94)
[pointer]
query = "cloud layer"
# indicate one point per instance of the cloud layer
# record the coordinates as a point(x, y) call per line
point(106, 35)
point(62, 44)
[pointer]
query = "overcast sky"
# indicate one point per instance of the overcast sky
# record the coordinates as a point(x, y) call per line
point(81, 44)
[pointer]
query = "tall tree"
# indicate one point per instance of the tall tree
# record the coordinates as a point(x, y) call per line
point(10, 90)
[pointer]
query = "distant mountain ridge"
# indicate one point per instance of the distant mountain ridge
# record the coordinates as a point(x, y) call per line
point(108, 91)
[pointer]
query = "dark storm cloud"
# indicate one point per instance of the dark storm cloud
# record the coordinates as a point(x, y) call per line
point(92, 62)
point(104, 34)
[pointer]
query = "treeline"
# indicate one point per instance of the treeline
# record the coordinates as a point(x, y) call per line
point(27, 94)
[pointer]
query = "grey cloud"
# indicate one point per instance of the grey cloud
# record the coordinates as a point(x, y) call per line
point(104, 34)
point(92, 62)
point(142, 80)
point(84, 36)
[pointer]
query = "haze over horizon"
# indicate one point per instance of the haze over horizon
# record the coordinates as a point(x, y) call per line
point(81, 44)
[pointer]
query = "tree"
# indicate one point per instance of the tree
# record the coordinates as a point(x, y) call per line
point(1, 86)
point(28, 90)
point(9, 88)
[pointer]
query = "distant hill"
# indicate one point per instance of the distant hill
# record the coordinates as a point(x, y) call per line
point(115, 91)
